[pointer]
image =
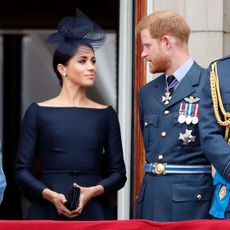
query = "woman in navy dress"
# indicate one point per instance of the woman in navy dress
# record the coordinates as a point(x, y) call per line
point(77, 140)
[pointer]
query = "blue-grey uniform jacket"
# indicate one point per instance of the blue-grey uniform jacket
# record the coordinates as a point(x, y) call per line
point(173, 196)
point(212, 134)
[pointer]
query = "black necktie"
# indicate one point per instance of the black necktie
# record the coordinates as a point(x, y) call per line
point(171, 82)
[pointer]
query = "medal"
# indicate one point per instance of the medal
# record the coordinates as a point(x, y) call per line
point(195, 120)
point(195, 114)
point(166, 98)
point(187, 137)
point(181, 117)
point(188, 120)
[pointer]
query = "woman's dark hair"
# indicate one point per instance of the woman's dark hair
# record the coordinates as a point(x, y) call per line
point(60, 58)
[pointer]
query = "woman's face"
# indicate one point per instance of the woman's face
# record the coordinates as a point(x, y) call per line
point(81, 68)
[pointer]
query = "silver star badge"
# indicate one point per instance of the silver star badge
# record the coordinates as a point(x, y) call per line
point(166, 98)
point(187, 137)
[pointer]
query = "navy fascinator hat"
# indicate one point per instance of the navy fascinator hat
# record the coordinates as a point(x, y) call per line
point(75, 31)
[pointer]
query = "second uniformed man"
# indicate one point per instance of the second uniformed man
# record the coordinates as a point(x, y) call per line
point(215, 132)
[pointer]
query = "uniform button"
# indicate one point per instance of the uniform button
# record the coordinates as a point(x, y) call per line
point(199, 197)
point(145, 124)
point(163, 134)
point(166, 112)
point(160, 157)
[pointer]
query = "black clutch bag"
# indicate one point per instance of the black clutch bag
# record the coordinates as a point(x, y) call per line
point(73, 198)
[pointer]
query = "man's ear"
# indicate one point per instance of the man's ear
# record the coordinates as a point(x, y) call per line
point(167, 42)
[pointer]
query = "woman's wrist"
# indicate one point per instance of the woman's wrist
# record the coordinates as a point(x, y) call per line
point(98, 190)
point(48, 194)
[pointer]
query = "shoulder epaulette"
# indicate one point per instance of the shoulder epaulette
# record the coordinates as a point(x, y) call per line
point(220, 59)
point(218, 105)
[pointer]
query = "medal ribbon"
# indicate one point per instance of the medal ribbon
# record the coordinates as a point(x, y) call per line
point(190, 109)
point(186, 109)
point(182, 108)
point(195, 111)
point(181, 117)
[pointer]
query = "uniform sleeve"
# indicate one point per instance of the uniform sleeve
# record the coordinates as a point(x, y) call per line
point(215, 146)
point(2, 180)
point(24, 177)
point(114, 162)
point(141, 112)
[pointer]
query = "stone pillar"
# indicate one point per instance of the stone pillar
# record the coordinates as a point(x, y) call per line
point(226, 19)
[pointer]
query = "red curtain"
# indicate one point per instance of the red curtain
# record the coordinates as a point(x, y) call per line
point(114, 225)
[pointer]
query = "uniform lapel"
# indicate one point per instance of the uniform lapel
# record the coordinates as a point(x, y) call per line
point(187, 85)
point(159, 86)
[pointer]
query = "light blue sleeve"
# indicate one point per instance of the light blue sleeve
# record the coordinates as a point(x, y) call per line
point(2, 180)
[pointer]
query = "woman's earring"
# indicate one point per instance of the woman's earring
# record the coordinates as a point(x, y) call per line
point(65, 75)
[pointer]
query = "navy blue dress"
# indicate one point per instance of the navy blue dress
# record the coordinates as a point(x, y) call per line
point(74, 144)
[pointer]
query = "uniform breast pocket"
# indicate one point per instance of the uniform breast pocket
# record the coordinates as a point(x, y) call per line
point(191, 201)
point(150, 130)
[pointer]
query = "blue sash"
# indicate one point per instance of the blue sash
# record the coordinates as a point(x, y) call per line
point(219, 205)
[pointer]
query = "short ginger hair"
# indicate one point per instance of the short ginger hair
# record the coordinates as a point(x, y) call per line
point(165, 22)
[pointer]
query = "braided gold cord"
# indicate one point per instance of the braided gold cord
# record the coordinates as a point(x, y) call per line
point(217, 101)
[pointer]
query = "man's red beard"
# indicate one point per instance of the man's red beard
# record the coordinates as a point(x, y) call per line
point(159, 65)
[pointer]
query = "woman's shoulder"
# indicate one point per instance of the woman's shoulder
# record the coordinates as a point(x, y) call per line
point(48, 103)
point(30, 113)
point(108, 108)
point(96, 105)
point(34, 106)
